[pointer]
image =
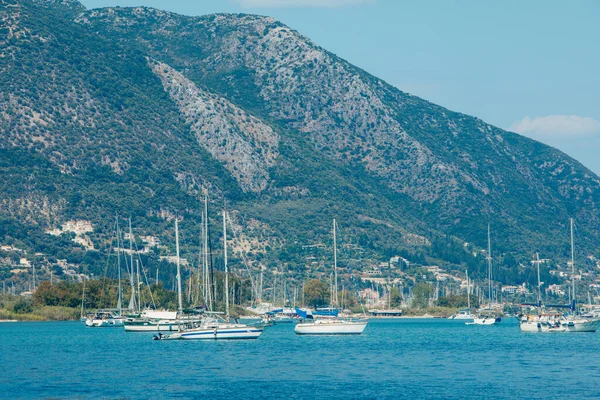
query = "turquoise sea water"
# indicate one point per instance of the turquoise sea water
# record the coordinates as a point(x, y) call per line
point(406, 358)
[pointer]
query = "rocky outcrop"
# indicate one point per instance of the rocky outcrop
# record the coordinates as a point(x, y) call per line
point(247, 146)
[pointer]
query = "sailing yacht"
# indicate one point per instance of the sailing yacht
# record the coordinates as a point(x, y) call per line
point(465, 314)
point(155, 320)
point(333, 325)
point(573, 322)
point(104, 319)
point(487, 318)
point(110, 317)
point(213, 326)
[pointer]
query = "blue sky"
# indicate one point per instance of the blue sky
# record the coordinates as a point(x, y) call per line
point(528, 66)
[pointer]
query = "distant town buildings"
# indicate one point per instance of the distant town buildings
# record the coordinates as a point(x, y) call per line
point(555, 290)
point(79, 228)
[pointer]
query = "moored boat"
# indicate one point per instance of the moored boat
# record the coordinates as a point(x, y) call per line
point(211, 325)
point(557, 323)
point(104, 319)
point(568, 322)
point(463, 315)
point(213, 328)
point(485, 320)
point(329, 323)
point(158, 321)
point(335, 326)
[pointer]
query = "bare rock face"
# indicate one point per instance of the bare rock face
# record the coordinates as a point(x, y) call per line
point(330, 102)
point(247, 146)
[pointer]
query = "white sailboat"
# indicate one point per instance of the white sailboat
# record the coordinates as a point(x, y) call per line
point(114, 317)
point(487, 318)
point(331, 326)
point(465, 314)
point(326, 326)
point(213, 326)
point(160, 321)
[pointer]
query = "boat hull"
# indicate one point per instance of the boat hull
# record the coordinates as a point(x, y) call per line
point(153, 326)
point(582, 325)
point(487, 321)
point(562, 326)
point(104, 323)
point(234, 332)
point(463, 317)
point(330, 328)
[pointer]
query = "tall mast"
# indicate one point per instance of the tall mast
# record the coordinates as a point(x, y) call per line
point(179, 298)
point(132, 301)
point(139, 292)
point(489, 259)
point(83, 298)
point(207, 281)
point(335, 288)
point(213, 286)
point(260, 293)
point(120, 300)
point(468, 290)
point(539, 293)
point(226, 267)
point(572, 261)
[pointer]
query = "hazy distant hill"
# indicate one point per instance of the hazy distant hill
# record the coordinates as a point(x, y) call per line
point(135, 110)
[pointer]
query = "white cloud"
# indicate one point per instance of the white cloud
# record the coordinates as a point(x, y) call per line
point(556, 126)
point(300, 3)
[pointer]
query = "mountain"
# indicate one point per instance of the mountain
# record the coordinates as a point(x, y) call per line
point(137, 111)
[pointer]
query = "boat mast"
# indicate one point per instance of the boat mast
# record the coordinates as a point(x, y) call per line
point(132, 301)
point(572, 263)
point(139, 292)
point(120, 300)
point(226, 267)
point(335, 288)
point(179, 298)
point(207, 271)
point(83, 298)
point(468, 290)
point(489, 259)
point(260, 295)
point(537, 257)
point(212, 282)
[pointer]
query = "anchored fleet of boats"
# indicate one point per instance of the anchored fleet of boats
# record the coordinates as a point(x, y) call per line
point(204, 323)
point(544, 321)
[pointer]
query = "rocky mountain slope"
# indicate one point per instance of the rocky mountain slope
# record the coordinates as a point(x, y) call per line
point(140, 111)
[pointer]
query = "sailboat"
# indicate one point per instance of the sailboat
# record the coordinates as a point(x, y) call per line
point(465, 314)
point(487, 318)
point(110, 317)
point(213, 326)
point(574, 322)
point(161, 320)
point(334, 325)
